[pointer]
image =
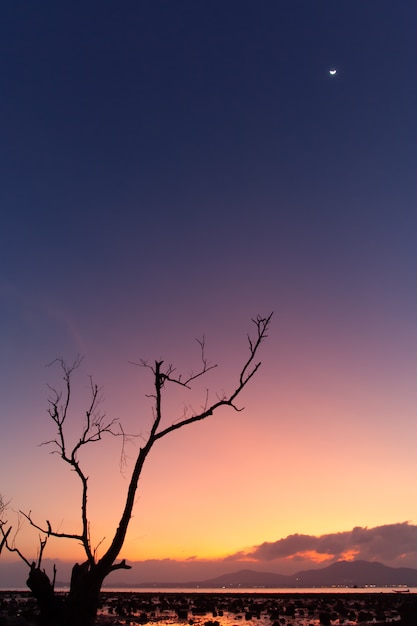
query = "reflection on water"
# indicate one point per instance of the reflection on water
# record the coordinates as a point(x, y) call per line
point(259, 590)
point(330, 607)
point(254, 609)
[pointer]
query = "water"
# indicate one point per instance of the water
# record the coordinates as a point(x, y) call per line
point(161, 606)
point(256, 590)
point(255, 607)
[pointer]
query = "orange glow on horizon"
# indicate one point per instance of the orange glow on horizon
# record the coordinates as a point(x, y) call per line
point(311, 555)
point(349, 555)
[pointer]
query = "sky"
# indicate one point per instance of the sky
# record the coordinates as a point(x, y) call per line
point(172, 170)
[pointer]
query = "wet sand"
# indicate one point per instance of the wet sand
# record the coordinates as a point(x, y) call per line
point(233, 609)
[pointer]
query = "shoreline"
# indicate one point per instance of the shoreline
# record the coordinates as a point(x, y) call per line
point(211, 608)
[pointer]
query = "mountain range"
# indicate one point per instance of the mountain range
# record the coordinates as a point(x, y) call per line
point(342, 573)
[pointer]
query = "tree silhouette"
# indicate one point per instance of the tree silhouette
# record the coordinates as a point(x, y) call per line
point(79, 606)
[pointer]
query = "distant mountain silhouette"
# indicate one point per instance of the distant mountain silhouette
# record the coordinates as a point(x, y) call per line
point(350, 573)
point(249, 578)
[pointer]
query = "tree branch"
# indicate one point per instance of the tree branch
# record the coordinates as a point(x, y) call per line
point(248, 370)
point(48, 532)
point(121, 565)
point(10, 547)
point(95, 426)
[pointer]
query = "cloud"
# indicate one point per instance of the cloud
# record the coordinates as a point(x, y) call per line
point(391, 542)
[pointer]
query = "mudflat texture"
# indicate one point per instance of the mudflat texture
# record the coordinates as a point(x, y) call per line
point(211, 609)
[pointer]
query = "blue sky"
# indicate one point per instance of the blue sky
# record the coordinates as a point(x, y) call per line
point(173, 169)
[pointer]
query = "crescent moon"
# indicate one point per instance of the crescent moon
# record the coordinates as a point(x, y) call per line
point(332, 72)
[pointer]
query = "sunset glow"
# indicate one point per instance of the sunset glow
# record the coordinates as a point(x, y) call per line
point(311, 555)
point(166, 176)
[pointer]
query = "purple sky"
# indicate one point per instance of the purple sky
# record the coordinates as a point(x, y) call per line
point(174, 169)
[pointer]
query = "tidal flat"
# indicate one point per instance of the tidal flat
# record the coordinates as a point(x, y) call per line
point(232, 609)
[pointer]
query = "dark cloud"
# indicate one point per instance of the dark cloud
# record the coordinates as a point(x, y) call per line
point(382, 543)
point(392, 544)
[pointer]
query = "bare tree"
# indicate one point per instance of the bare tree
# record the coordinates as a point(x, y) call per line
point(79, 606)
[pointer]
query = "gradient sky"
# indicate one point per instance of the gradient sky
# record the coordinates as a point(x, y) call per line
point(170, 169)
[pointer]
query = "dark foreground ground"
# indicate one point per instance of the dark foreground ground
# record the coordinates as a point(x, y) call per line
point(234, 609)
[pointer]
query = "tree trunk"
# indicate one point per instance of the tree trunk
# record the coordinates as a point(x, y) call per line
point(78, 608)
point(49, 605)
point(83, 599)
